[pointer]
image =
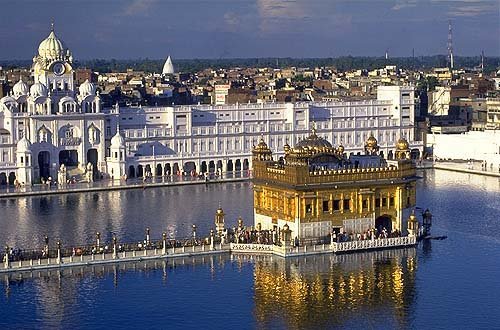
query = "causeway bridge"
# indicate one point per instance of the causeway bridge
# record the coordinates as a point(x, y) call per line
point(101, 253)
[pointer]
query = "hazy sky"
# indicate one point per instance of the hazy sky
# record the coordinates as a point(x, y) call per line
point(250, 28)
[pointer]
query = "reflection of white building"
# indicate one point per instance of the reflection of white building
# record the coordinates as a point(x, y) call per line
point(49, 124)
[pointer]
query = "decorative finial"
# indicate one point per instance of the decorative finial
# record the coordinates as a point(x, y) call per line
point(52, 25)
point(313, 130)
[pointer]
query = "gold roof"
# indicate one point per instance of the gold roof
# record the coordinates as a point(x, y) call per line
point(371, 142)
point(402, 144)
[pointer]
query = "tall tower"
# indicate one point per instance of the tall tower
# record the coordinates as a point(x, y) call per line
point(450, 46)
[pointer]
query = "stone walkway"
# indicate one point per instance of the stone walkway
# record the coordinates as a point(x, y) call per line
point(462, 166)
point(104, 185)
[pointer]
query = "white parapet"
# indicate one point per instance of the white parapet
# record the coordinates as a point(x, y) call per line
point(382, 243)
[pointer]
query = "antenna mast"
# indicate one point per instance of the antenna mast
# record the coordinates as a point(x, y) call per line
point(450, 46)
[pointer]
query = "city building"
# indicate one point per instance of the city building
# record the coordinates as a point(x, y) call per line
point(316, 187)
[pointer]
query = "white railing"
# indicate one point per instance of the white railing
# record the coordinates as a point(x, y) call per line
point(251, 248)
point(374, 244)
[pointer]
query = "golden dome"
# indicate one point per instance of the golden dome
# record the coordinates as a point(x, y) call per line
point(220, 210)
point(313, 142)
point(341, 149)
point(261, 146)
point(286, 147)
point(371, 142)
point(402, 144)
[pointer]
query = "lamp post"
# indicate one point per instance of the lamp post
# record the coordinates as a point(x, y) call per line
point(164, 246)
point(46, 248)
point(148, 237)
point(6, 257)
point(115, 254)
point(58, 243)
point(98, 240)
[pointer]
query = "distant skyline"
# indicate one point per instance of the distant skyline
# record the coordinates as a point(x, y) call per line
point(245, 28)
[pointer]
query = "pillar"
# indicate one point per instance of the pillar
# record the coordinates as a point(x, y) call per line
point(148, 237)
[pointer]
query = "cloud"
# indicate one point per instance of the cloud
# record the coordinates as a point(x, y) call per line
point(231, 18)
point(474, 10)
point(404, 4)
point(138, 7)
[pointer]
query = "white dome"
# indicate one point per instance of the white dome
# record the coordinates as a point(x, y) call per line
point(38, 89)
point(87, 88)
point(118, 140)
point(52, 47)
point(20, 88)
point(24, 145)
point(168, 67)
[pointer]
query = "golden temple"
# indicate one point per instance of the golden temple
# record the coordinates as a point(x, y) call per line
point(317, 188)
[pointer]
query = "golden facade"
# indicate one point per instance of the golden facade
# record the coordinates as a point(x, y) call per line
point(317, 187)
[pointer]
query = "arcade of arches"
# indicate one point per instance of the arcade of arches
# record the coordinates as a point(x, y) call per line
point(189, 168)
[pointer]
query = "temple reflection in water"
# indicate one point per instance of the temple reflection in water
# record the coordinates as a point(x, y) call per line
point(328, 291)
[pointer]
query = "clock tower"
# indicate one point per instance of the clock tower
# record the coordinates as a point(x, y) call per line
point(53, 66)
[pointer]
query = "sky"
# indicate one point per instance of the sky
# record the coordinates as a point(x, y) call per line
point(132, 29)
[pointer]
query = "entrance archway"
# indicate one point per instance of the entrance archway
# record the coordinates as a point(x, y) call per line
point(140, 171)
point(92, 157)
point(44, 164)
point(203, 167)
point(159, 170)
point(230, 166)
point(384, 221)
point(3, 179)
point(237, 165)
point(245, 164)
point(131, 171)
point(68, 157)
point(175, 169)
point(168, 169)
point(12, 178)
point(189, 166)
point(211, 166)
point(148, 169)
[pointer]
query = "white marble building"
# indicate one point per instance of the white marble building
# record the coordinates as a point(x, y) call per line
point(50, 123)
point(169, 140)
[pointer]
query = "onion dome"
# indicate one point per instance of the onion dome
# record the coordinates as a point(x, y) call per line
point(20, 88)
point(262, 146)
point(52, 48)
point(219, 210)
point(38, 89)
point(118, 140)
point(287, 148)
point(24, 145)
point(313, 142)
point(402, 144)
point(261, 151)
point(341, 149)
point(371, 142)
point(87, 88)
